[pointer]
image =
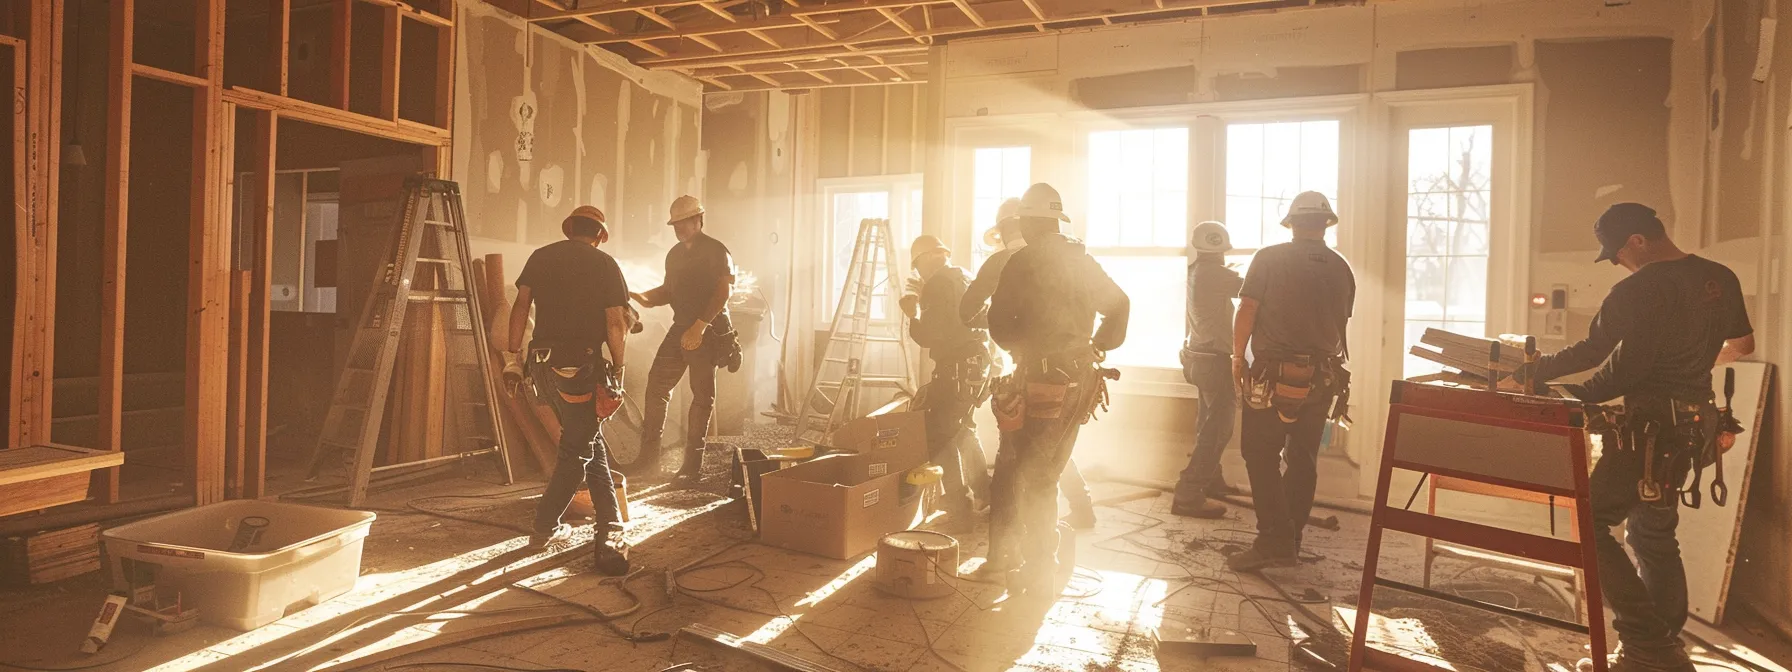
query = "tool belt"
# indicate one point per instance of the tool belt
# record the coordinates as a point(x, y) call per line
point(1055, 387)
point(1287, 385)
point(723, 348)
point(1677, 441)
point(968, 378)
point(580, 376)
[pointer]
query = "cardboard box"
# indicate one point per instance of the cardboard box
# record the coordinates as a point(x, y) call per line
point(840, 505)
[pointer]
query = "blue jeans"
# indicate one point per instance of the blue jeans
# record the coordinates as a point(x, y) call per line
point(1218, 411)
point(582, 453)
point(1649, 601)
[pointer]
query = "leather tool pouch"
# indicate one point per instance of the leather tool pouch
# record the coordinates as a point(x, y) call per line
point(1293, 385)
point(724, 349)
point(1008, 404)
point(1045, 400)
point(575, 379)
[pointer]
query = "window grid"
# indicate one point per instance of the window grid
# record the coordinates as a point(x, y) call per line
point(1138, 200)
point(1447, 234)
point(1267, 164)
point(998, 174)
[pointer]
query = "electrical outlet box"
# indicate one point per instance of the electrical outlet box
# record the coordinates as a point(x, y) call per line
point(1555, 320)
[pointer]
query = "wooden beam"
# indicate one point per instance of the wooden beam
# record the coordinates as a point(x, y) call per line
point(20, 388)
point(965, 7)
point(341, 14)
point(824, 30)
point(35, 303)
point(836, 85)
point(802, 19)
point(764, 78)
point(655, 17)
point(209, 266)
point(699, 39)
point(718, 11)
point(392, 37)
point(863, 41)
point(781, 56)
point(169, 76)
point(830, 65)
point(896, 19)
point(444, 116)
point(116, 237)
point(762, 37)
point(615, 7)
point(414, 13)
point(1033, 6)
point(404, 130)
point(649, 48)
point(261, 226)
point(279, 44)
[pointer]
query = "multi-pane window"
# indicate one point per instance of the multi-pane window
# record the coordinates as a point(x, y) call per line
point(998, 174)
point(1267, 164)
point(1137, 217)
point(1449, 188)
point(848, 207)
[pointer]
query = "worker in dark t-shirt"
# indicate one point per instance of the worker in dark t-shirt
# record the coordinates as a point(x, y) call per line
point(1658, 334)
point(960, 355)
point(699, 276)
point(581, 305)
point(1292, 312)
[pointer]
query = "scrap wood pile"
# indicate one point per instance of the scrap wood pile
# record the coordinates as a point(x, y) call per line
point(526, 423)
point(50, 556)
point(1469, 355)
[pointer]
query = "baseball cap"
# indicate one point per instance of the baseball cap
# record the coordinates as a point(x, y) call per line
point(924, 245)
point(1310, 203)
point(685, 207)
point(1619, 223)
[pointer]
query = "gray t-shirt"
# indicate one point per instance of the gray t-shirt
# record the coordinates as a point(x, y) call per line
point(1304, 292)
point(1211, 288)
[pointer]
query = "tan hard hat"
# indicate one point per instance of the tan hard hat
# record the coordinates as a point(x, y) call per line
point(1004, 212)
point(685, 207)
point(1310, 203)
point(587, 212)
point(924, 245)
point(1042, 201)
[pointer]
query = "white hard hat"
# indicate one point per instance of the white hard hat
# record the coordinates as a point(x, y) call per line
point(1041, 200)
point(1004, 212)
point(1210, 237)
point(685, 207)
point(1310, 203)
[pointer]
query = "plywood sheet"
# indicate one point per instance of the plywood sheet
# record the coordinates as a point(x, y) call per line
point(1708, 534)
point(1513, 455)
point(39, 462)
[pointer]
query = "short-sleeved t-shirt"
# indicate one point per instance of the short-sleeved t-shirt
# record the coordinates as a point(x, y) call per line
point(692, 271)
point(572, 283)
point(1304, 291)
point(1666, 322)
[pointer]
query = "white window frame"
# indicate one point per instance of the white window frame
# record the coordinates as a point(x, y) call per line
point(901, 189)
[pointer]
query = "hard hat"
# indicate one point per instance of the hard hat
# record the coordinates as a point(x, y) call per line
point(685, 207)
point(1210, 237)
point(1004, 212)
point(585, 212)
point(1041, 200)
point(924, 245)
point(1310, 203)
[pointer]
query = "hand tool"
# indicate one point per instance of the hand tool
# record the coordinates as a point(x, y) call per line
point(1647, 488)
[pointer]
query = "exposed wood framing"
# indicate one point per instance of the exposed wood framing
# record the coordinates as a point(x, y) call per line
point(208, 290)
point(391, 24)
point(445, 78)
point(824, 30)
point(34, 340)
point(261, 225)
point(655, 17)
point(403, 130)
point(169, 76)
point(279, 43)
point(718, 11)
point(340, 33)
point(786, 20)
point(616, 7)
point(117, 223)
point(965, 6)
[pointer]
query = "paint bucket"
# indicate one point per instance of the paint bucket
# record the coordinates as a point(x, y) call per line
point(917, 564)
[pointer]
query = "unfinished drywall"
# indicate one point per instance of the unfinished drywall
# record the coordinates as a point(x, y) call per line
point(871, 130)
point(1455, 66)
point(80, 227)
point(543, 125)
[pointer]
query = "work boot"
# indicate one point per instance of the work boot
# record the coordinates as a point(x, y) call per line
point(610, 559)
point(1670, 657)
point(1255, 559)
point(1081, 518)
point(1219, 488)
point(559, 534)
point(1206, 508)
point(692, 469)
point(993, 570)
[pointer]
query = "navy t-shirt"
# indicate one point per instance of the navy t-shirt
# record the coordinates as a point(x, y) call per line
point(572, 283)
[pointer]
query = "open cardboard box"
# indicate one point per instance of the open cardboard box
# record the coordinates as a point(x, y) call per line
point(840, 505)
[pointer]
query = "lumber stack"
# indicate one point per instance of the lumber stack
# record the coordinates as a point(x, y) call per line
point(49, 556)
point(1468, 354)
point(524, 422)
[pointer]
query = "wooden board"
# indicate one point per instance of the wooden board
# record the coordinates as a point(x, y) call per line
point(43, 493)
point(50, 556)
point(33, 463)
point(1709, 534)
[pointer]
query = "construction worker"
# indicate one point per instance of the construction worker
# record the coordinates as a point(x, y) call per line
point(1658, 334)
point(1206, 364)
point(699, 278)
point(974, 308)
point(960, 357)
point(1293, 309)
point(1043, 313)
point(581, 304)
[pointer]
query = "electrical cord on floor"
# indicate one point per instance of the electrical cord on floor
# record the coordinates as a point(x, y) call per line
point(1255, 601)
point(929, 640)
point(755, 575)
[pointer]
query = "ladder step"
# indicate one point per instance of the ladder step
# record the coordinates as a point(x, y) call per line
point(432, 260)
point(429, 298)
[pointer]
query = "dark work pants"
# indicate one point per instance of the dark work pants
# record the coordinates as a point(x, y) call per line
point(582, 453)
point(1217, 411)
point(1283, 499)
point(1001, 498)
point(669, 366)
point(1650, 605)
point(1042, 448)
point(947, 406)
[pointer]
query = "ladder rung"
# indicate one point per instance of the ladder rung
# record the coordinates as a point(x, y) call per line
point(431, 260)
point(437, 222)
point(428, 298)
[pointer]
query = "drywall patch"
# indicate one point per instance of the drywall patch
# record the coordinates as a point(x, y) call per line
point(1455, 66)
point(494, 172)
point(600, 190)
point(737, 178)
point(550, 185)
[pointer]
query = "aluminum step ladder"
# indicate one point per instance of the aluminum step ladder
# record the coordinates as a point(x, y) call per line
point(837, 387)
point(429, 243)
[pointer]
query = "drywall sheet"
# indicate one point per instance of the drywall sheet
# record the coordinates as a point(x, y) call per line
point(1003, 57)
point(1455, 66)
point(1708, 534)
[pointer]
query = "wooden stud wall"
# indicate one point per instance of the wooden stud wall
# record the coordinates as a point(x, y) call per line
point(228, 309)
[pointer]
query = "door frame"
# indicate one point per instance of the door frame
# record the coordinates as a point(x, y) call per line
point(1509, 108)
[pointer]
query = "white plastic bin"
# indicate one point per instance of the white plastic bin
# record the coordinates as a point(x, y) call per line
point(305, 555)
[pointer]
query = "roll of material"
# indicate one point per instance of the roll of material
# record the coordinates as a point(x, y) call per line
point(917, 564)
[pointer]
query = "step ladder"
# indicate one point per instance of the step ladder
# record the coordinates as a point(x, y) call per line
point(429, 243)
point(836, 390)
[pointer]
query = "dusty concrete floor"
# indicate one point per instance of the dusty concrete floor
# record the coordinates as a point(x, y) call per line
point(1141, 568)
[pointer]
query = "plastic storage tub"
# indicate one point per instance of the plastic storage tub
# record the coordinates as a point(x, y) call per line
point(303, 556)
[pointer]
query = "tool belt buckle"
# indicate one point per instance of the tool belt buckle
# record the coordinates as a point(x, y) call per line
point(1648, 490)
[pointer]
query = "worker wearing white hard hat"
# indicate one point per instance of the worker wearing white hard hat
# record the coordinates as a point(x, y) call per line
point(1044, 312)
point(1293, 311)
point(699, 278)
point(1206, 364)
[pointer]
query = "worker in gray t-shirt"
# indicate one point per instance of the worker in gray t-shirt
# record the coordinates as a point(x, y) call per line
point(1292, 313)
point(1206, 358)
